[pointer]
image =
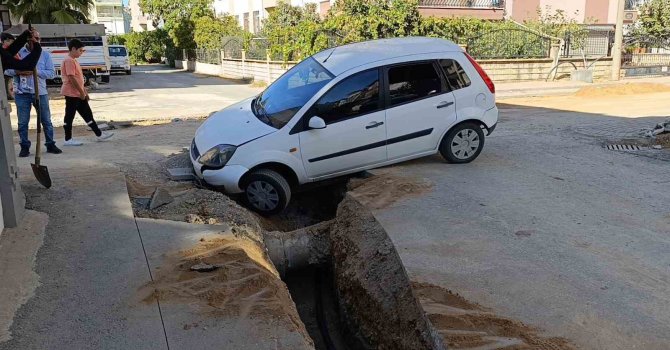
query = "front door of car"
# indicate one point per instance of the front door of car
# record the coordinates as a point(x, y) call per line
point(355, 127)
point(420, 108)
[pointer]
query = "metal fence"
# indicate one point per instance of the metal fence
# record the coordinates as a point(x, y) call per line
point(589, 42)
point(232, 47)
point(509, 44)
point(644, 52)
point(208, 56)
point(258, 49)
point(463, 3)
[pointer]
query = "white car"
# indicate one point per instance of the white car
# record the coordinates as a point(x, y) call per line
point(120, 60)
point(345, 110)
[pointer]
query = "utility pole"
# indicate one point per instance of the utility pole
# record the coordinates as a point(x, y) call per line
point(618, 41)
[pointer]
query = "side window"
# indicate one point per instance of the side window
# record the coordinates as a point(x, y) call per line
point(455, 74)
point(354, 96)
point(413, 82)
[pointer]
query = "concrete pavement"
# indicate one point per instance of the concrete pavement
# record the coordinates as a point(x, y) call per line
point(548, 227)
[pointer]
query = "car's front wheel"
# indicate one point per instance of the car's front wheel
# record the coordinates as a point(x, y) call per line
point(463, 143)
point(267, 191)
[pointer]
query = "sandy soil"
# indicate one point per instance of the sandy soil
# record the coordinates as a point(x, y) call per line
point(244, 283)
point(622, 89)
point(466, 325)
point(385, 189)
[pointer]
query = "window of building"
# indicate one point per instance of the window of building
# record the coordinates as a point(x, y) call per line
point(245, 25)
point(413, 82)
point(257, 21)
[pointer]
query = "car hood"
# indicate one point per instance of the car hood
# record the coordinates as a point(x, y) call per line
point(233, 125)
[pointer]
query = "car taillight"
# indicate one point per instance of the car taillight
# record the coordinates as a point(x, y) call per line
point(482, 73)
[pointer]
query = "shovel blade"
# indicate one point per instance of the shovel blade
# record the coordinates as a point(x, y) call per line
point(42, 175)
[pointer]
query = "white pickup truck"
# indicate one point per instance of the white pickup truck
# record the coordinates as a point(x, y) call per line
point(95, 62)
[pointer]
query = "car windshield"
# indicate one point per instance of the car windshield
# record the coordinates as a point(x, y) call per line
point(283, 99)
point(117, 51)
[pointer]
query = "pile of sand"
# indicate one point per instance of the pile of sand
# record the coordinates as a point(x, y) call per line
point(466, 325)
point(244, 284)
point(622, 89)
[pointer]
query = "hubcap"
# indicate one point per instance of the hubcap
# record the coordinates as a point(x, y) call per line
point(263, 195)
point(465, 144)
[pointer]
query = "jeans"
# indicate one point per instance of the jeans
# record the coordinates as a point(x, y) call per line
point(24, 103)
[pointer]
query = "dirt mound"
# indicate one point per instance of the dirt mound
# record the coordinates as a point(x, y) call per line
point(374, 291)
point(466, 325)
point(243, 283)
point(211, 207)
point(622, 89)
point(384, 189)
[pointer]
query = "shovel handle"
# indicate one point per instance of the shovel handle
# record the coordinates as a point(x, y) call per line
point(38, 149)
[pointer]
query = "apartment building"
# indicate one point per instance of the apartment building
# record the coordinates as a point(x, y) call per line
point(112, 14)
point(139, 22)
point(251, 13)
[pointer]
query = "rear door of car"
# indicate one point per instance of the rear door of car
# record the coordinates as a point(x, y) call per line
point(420, 106)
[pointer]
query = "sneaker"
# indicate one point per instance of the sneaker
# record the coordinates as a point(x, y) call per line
point(104, 136)
point(72, 142)
point(24, 152)
point(53, 149)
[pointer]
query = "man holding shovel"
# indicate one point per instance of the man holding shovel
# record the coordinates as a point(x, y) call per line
point(24, 91)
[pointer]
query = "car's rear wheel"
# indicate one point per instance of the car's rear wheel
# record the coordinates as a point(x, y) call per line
point(128, 72)
point(266, 191)
point(463, 143)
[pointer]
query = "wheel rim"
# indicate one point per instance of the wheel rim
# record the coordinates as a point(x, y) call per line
point(465, 144)
point(262, 195)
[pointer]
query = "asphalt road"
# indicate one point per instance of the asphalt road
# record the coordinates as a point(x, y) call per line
point(154, 92)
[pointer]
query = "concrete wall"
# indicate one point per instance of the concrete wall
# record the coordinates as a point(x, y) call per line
point(538, 69)
point(498, 70)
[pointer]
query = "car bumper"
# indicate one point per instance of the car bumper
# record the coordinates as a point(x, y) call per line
point(227, 177)
point(120, 68)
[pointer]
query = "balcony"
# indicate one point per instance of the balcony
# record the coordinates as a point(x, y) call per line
point(484, 9)
point(468, 4)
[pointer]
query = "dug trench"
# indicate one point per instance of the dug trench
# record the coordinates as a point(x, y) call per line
point(325, 267)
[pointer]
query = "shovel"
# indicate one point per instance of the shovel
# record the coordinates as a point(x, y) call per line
point(41, 172)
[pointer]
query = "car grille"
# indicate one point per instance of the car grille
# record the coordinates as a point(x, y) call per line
point(195, 154)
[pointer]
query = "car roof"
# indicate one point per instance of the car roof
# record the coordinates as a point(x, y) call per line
point(343, 58)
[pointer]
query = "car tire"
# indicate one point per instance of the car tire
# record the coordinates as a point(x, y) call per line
point(463, 143)
point(266, 192)
point(105, 78)
point(128, 72)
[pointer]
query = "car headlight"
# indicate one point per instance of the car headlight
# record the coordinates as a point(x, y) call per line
point(217, 156)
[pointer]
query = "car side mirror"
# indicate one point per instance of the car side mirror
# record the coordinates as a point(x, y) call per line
point(317, 123)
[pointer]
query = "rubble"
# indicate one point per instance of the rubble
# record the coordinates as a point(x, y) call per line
point(660, 128)
point(160, 197)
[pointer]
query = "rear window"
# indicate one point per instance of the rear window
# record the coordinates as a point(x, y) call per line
point(455, 74)
point(117, 51)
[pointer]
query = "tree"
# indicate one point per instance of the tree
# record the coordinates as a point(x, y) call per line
point(149, 46)
point(294, 32)
point(179, 18)
point(209, 32)
point(654, 21)
point(374, 19)
point(51, 11)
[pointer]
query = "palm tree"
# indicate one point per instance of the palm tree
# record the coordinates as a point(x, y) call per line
point(51, 11)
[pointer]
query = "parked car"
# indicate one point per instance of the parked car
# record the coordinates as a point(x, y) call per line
point(118, 55)
point(345, 110)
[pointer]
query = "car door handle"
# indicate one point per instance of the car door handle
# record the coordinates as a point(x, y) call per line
point(374, 125)
point(444, 104)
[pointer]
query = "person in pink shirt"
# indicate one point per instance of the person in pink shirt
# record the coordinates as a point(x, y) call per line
point(76, 97)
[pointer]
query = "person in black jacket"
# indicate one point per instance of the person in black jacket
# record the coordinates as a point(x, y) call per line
point(9, 60)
